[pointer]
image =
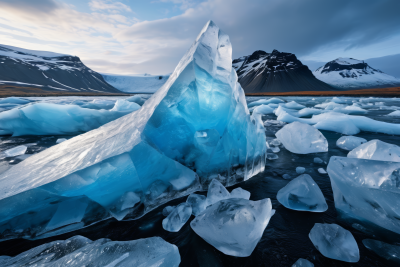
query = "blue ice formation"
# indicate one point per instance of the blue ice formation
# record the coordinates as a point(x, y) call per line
point(272, 100)
point(80, 251)
point(367, 190)
point(177, 218)
point(14, 100)
point(194, 128)
point(384, 250)
point(54, 119)
point(302, 193)
point(335, 242)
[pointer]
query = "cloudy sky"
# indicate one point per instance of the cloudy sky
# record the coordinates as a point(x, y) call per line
point(150, 36)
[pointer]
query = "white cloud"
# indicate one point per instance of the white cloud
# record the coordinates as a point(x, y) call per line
point(109, 5)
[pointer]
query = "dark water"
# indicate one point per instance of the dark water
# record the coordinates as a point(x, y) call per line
point(284, 240)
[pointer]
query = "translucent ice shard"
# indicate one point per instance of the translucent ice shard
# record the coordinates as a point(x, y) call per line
point(198, 203)
point(350, 142)
point(302, 193)
point(177, 218)
point(367, 190)
point(334, 242)
point(301, 138)
point(263, 109)
point(240, 193)
point(167, 210)
point(216, 192)
point(195, 126)
point(302, 263)
point(79, 251)
point(234, 226)
point(15, 151)
point(384, 250)
point(376, 150)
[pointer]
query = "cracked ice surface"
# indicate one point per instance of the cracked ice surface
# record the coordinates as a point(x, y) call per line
point(198, 120)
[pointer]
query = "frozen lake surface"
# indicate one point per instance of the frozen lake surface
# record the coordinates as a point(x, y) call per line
point(285, 239)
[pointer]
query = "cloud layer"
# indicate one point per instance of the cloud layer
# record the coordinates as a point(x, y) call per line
point(110, 39)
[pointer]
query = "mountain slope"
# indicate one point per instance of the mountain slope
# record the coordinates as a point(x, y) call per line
point(276, 72)
point(49, 71)
point(145, 83)
point(349, 73)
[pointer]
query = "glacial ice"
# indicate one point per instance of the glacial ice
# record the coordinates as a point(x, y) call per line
point(301, 138)
point(394, 113)
point(60, 140)
point(376, 150)
point(198, 203)
point(240, 193)
point(125, 106)
point(350, 142)
point(15, 151)
point(275, 149)
point(272, 156)
point(14, 100)
point(321, 171)
point(216, 192)
point(273, 100)
point(286, 176)
point(177, 218)
point(234, 226)
point(334, 242)
point(137, 99)
point(198, 120)
point(384, 250)
point(367, 190)
point(263, 110)
point(302, 193)
point(318, 160)
point(302, 263)
point(54, 119)
point(300, 170)
point(275, 142)
point(293, 105)
point(167, 210)
point(80, 251)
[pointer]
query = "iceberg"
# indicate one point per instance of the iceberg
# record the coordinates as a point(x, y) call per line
point(384, 250)
point(367, 190)
point(234, 226)
point(54, 119)
point(334, 242)
point(177, 217)
point(302, 193)
point(195, 126)
point(376, 150)
point(302, 263)
point(273, 100)
point(80, 251)
point(350, 142)
point(302, 138)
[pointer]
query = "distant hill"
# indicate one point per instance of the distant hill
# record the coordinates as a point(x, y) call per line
point(141, 83)
point(350, 73)
point(49, 71)
point(275, 72)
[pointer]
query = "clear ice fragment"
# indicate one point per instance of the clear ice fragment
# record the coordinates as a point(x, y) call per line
point(60, 140)
point(167, 210)
point(376, 150)
point(322, 171)
point(15, 151)
point(198, 203)
point(272, 156)
point(177, 218)
point(240, 193)
point(318, 160)
point(216, 192)
point(384, 250)
point(350, 142)
point(303, 263)
point(300, 170)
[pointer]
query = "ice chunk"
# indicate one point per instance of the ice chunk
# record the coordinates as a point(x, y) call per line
point(14, 100)
point(275, 142)
point(321, 171)
point(301, 138)
point(394, 113)
point(302, 263)
point(349, 142)
point(15, 151)
point(167, 210)
point(60, 140)
point(263, 110)
point(198, 120)
point(125, 106)
point(177, 218)
point(273, 100)
point(367, 190)
point(272, 156)
point(286, 176)
point(198, 203)
point(79, 251)
point(293, 105)
point(302, 193)
point(234, 226)
point(300, 170)
point(376, 150)
point(384, 250)
point(275, 149)
point(318, 160)
point(240, 193)
point(216, 192)
point(335, 242)
point(137, 99)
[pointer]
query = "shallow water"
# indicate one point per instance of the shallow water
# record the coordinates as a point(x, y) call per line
point(285, 238)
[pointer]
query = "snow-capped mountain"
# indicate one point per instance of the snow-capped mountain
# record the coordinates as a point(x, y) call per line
point(275, 72)
point(49, 71)
point(141, 83)
point(350, 73)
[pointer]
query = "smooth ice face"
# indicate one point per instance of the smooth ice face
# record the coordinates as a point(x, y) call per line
point(335, 242)
point(376, 150)
point(198, 120)
point(302, 193)
point(198, 203)
point(79, 251)
point(301, 138)
point(367, 190)
point(384, 250)
point(302, 263)
point(234, 226)
point(216, 192)
point(350, 142)
point(177, 218)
